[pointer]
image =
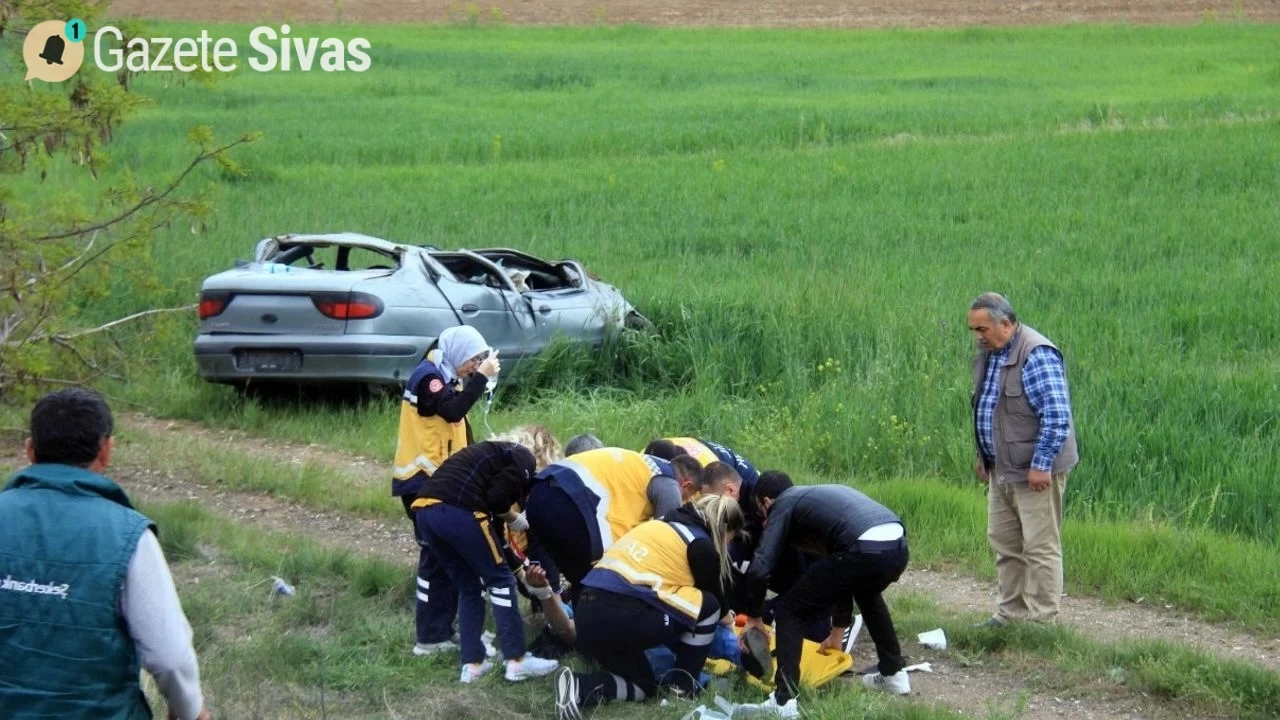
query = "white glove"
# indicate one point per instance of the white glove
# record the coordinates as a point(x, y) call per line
point(490, 367)
point(518, 523)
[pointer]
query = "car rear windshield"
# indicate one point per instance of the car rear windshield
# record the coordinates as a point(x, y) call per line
point(335, 257)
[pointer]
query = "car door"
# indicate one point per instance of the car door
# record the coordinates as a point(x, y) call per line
point(482, 297)
point(566, 311)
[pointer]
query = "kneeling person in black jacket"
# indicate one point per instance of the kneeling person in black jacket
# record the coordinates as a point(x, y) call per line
point(863, 549)
point(454, 509)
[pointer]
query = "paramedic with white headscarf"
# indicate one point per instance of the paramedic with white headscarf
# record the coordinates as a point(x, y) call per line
point(433, 426)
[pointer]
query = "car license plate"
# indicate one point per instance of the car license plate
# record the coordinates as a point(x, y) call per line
point(269, 360)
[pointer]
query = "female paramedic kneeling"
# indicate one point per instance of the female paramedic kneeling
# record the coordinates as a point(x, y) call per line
point(659, 584)
point(453, 520)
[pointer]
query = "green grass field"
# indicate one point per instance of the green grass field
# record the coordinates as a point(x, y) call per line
point(806, 215)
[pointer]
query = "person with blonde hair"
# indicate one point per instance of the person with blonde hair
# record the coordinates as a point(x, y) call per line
point(660, 584)
point(540, 441)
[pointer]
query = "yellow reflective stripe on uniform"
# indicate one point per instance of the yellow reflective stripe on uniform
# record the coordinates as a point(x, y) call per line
point(422, 462)
point(602, 509)
point(700, 452)
point(488, 536)
point(638, 577)
point(423, 443)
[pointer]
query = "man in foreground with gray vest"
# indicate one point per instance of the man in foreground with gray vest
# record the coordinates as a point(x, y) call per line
point(86, 598)
point(859, 548)
point(1026, 447)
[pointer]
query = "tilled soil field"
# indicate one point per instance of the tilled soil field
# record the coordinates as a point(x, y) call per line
point(740, 13)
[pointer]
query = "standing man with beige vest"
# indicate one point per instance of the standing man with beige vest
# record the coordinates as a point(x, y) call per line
point(1026, 447)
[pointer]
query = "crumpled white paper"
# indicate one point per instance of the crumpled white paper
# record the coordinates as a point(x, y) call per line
point(725, 710)
point(935, 639)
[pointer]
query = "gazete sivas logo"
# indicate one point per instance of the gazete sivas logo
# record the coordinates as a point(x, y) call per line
point(54, 50)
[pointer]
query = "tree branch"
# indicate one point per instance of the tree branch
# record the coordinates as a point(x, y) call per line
point(73, 383)
point(92, 239)
point(81, 333)
point(149, 200)
point(98, 255)
point(66, 345)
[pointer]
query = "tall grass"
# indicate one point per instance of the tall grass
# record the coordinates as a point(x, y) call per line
point(806, 216)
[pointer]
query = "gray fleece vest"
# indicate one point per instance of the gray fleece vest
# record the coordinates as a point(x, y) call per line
point(1015, 427)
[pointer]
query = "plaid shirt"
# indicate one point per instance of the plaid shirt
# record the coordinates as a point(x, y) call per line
point(1045, 382)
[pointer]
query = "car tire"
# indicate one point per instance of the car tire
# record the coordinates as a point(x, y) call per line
point(636, 321)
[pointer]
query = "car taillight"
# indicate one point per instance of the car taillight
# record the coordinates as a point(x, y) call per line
point(347, 306)
point(213, 303)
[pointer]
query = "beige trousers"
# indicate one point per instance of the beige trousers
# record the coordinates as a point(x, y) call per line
point(1025, 531)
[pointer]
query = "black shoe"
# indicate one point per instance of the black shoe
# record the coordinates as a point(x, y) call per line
point(990, 623)
point(757, 660)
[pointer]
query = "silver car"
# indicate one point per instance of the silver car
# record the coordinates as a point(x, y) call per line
point(357, 309)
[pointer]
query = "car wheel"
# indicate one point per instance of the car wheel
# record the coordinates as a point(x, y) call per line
point(636, 321)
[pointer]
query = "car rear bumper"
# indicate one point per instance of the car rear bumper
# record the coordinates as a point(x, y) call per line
point(339, 358)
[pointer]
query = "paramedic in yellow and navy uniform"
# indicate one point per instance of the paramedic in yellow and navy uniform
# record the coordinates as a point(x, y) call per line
point(433, 426)
point(719, 464)
point(578, 506)
point(708, 453)
point(660, 584)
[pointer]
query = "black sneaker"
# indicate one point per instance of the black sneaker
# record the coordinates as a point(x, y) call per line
point(567, 695)
point(757, 660)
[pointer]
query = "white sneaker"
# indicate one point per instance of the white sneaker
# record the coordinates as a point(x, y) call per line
point(529, 666)
point(472, 673)
point(897, 683)
point(788, 711)
point(423, 649)
point(567, 695)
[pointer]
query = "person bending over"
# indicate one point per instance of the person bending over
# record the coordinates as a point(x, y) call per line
point(578, 506)
point(863, 549)
point(454, 511)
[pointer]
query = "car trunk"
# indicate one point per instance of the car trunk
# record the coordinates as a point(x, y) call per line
point(262, 302)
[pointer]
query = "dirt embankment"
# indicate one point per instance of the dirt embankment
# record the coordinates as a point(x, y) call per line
point(734, 13)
